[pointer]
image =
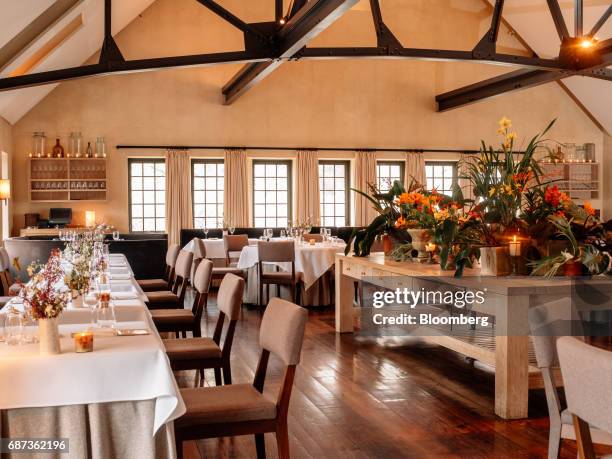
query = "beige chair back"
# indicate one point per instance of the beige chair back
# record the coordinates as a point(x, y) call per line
point(5, 262)
point(183, 264)
point(276, 251)
point(229, 298)
point(587, 372)
point(199, 249)
point(172, 254)
point(202, 276)
point(282, 330)
point(235, 242)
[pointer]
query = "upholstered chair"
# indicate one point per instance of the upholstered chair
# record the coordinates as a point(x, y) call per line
point(587, 372)
point(547, 323)
point(220, 271)
point(243, 409)
point(174, 298)
point(184, 320)
point(233, 245)
point(150, 285)
point(199, 254)
point(313, 237)
point(9, 286)
point(277, 252)
point(202, 353)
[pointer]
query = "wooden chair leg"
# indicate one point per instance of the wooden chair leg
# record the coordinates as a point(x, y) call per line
point(179, 446)
point(176, 334)
point(260, 446)
point(184, 333)
point(584, 444)
point(201, 377)
point(282, 440)
point(218, 381)
point(227, 373)
point(260, 299)
point(197, 331)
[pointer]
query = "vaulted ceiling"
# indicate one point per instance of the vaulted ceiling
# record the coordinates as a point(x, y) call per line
point(42, 35)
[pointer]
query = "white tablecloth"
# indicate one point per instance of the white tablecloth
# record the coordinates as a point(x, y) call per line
point(311, 260)
point(120, 369)
point(214, 247)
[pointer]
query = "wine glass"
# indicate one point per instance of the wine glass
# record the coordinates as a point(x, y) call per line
point(90, 299)
point(232, 228)
point(116, 235)
point(205, 231)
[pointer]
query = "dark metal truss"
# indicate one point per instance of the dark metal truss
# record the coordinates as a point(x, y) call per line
point(267, 45)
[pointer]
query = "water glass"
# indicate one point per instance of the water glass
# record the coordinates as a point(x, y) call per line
point(205, 231)
point(105, 314)
point(13, 328)
point(90, 300)
point(115, 235)
point(283, 234)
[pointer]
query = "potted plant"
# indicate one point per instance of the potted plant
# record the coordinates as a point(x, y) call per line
point(500, 179)
point(45, 301)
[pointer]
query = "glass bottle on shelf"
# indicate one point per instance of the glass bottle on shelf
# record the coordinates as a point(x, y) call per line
point(74, 148)
point(58, 150)
point(89, 151)
point(570, 152)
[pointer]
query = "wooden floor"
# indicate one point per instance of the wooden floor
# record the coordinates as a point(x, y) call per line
point(359, 399)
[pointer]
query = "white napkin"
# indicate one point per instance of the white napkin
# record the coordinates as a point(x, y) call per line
point(120, 276)
point(117, 262)
point(130, 303)
point(123, 295)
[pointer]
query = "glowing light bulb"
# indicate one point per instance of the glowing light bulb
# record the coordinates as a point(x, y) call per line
point(282, 21)
point(587, 43)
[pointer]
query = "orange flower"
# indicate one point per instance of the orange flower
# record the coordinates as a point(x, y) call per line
point(400, 222)
point(404, 198)
point(588, 208)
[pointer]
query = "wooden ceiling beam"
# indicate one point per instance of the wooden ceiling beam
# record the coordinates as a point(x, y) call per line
point(314, 17)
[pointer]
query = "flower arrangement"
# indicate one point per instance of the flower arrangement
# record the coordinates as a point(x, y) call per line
point(41, 295)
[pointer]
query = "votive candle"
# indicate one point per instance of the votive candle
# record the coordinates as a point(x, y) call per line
point(83, 341)
point(430, 247)
point(515, 247)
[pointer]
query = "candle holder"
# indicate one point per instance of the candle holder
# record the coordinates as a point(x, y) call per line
point(83, 342)
point(430, 248)
point(514, 250)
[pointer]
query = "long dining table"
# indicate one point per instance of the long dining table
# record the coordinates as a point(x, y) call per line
point(118, 401)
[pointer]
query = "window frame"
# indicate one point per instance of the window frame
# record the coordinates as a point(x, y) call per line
point(347, 188)
point(145, 160)
point(390, 162)
point(289, 164)
point(195, 161)
point(453, 164)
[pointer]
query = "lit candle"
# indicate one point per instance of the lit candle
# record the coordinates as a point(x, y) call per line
point(515, 247)
point(430, 247)
point(312, 242)
point(83, 341)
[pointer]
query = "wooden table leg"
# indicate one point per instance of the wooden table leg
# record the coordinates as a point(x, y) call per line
point(511, 358)
point(344, 300)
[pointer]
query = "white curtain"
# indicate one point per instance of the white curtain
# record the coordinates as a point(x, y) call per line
point(308, 199)
point(365, 175)
point(178, 194)
point(462, 170)
point(235, 190)
point(415, 168)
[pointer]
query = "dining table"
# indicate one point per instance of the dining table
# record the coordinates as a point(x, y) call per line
point(118, 401)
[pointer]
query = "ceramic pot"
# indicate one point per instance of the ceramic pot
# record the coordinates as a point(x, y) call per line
point(572, 269)
point(48, 336)
point(420, 237)
point(494, 261)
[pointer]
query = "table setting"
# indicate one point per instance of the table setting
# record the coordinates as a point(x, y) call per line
point(76, 326)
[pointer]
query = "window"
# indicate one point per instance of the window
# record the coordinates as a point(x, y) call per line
point(271, 193)
point(441, 176)
point(334, 188)
point(388, 172)
point(147, 186)
point(207, 180)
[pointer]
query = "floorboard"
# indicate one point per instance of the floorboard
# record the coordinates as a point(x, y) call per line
point(354, 398)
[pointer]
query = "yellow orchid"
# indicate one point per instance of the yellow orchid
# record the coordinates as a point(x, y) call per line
point(508, 189)
point(491, 191)
point(505, 123)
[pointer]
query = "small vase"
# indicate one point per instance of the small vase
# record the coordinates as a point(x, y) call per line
point(572, 269)
point(48, 336)
point(420, 237)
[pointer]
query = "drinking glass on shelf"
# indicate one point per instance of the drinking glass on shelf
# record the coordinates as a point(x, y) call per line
point(13, 327)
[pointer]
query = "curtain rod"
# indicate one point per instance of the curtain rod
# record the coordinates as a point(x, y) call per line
point(210, 147)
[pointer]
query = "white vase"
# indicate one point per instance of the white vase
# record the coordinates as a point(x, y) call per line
point(494, 261)
point(420, 237)
point(48, 336)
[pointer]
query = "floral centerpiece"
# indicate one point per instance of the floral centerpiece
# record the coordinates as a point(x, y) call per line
point(45, 300)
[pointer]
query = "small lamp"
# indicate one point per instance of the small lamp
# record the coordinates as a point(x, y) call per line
point(5, 189)
point(90, 218)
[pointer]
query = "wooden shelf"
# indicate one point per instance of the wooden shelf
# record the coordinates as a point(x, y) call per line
point(71, 171)
point(578, 179)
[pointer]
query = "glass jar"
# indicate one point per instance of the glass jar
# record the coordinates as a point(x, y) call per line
point(569, 153)
point(100, 147)
point(14, 327)
point(38, 144)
